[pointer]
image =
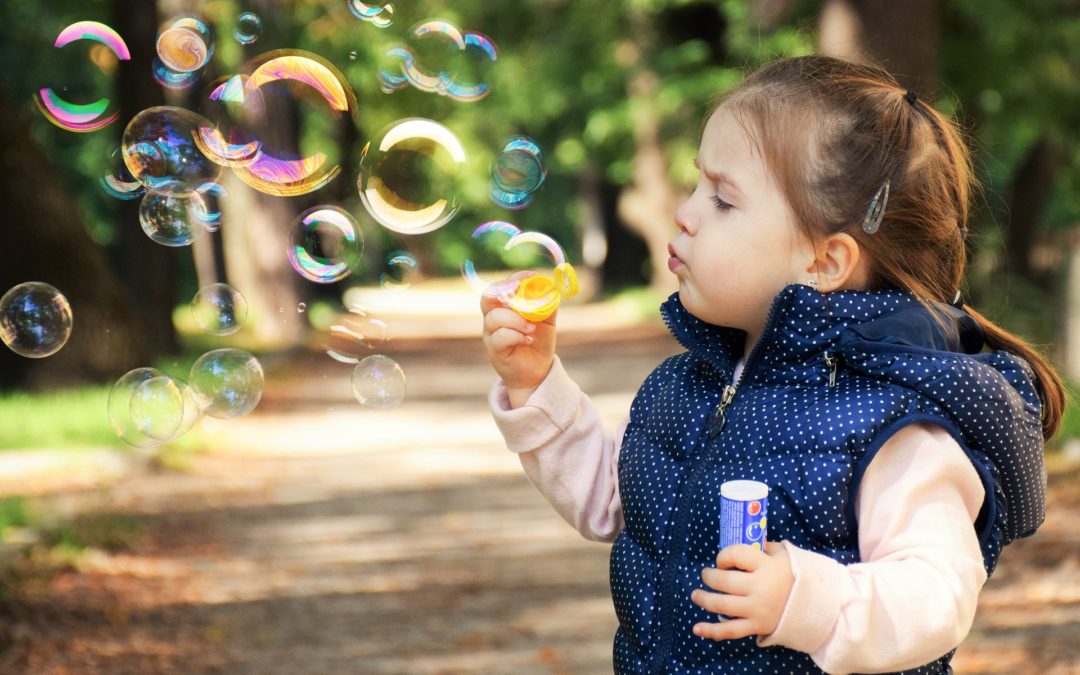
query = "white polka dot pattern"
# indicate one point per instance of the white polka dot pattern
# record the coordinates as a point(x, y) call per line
point(809, 433)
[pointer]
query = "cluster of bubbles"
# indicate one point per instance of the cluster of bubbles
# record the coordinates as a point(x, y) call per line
point(403, 67)
point(148, 407)
point(35, 319)
point(173, 158)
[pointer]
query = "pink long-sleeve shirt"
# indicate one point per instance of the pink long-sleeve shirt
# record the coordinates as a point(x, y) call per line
point(916, 506)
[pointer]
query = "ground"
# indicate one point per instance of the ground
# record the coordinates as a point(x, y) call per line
point(322, 537)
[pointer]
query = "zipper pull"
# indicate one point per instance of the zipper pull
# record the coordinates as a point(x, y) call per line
point(719, 418)
point(832, 362)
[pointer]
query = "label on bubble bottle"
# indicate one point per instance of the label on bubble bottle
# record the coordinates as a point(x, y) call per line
point(744, 508)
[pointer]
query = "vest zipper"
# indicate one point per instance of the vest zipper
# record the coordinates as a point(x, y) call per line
point(832, 361)
point(719, 417)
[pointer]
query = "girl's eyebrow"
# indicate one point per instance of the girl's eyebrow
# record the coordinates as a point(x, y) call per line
point(718, 177)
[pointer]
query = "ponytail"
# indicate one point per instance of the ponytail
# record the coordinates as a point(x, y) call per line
point(1048, 383)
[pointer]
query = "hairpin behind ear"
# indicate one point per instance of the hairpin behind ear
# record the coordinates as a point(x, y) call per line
point(874, 215)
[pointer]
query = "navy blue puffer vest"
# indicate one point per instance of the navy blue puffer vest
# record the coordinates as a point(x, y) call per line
point(830, 380)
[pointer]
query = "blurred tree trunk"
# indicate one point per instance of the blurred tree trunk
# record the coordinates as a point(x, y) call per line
point(1031, 186)
point(47, 241)
point(647, 206)
point(256, 227)
point(904, 37)
point(147, 269)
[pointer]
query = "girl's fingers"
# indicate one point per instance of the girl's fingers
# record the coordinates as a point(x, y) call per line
point(736, 582)
point(728, 630)
point(721, 603)
point(740, 556)
point(502, 317)
point(505, 339)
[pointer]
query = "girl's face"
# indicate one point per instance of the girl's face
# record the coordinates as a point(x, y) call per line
point(738, 245)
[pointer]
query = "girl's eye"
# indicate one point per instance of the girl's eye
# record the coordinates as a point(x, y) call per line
point(720, 203)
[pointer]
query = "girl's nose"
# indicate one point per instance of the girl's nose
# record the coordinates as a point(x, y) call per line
point(682, 217)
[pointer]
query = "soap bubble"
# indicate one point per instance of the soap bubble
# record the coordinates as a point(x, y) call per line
point(219, 309)
point(450, 66)
point(227, 382)
point(86, 117)
point(408, 178)
point(379, 16)
point(172, 79)
point(401, 271)
point(207, 209)
point(121, 396)
point(170, 220)
point(119, 183)
point(354, 334)
point(521, 250)
point(326, 244)
point(185, 44)
point(248, 28)
point(160, 151)
point(156, 407)
point(293, 74)
point(517, 172)
point(378, 382)
point(35, 319)
point(485, 270)
point(301, 308)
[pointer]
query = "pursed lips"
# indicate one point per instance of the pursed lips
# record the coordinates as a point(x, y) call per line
point(674, 262)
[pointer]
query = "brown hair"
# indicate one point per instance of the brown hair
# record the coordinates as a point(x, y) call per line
point(831, 132)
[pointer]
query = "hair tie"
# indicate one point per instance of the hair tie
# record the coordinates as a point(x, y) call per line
point(910, 97)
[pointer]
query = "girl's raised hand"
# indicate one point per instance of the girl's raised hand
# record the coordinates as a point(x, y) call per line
point(520, 351)
point(754, 588)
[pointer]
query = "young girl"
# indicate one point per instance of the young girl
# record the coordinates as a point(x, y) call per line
point(828, 355)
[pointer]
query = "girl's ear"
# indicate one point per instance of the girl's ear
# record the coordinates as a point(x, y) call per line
point(839, 265)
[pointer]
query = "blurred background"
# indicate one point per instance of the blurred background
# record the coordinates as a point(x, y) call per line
point(318, 534)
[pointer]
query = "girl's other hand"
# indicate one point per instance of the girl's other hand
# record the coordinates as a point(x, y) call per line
point(753, 589)
point(520, 351)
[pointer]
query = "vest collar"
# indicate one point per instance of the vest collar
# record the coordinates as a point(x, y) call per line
point(803, 323)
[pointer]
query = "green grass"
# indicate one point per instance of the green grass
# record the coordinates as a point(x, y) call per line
point(59, 419)
point(14, 512)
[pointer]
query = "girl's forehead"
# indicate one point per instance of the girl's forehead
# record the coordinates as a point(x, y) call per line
point(726, 141)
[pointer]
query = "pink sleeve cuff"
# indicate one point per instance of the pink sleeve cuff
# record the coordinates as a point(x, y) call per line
point(549, 411)
point(814, 604)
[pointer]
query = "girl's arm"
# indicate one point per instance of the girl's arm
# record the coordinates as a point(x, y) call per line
point(914, 596)
point(558, 435)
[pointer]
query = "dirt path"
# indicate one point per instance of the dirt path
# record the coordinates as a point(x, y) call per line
point(327, 538)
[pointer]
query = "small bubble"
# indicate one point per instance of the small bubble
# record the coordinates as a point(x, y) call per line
point(302, 307)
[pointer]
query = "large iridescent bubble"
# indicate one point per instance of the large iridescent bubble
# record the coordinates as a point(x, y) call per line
point(239, 140)
point(378, 15)
point(408, 176)
point(35, 319)
point(82, 117)
point(160, 152)
point(326, 244)
point(227, 382)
